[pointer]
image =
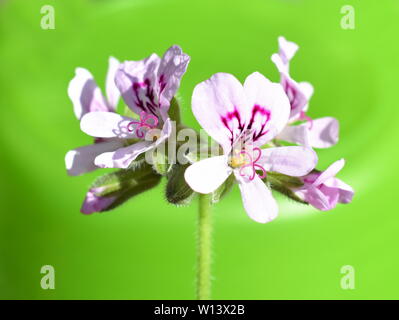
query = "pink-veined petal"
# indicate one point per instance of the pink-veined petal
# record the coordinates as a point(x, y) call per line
point(85, 95)
point(172, 68)
point(293, 161)
point(207, 175)
point(138, 83)
point(107, 125)
point(320, 199)
point(346, 192)
point(219, 105)
point(81, 160)
point(112, 91)
point(269, 108)
point(257, 199)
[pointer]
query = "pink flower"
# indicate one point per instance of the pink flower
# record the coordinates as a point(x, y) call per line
point(318, 133)
point(242, 119)
point(323, 190)
point(147, 87)
point(86, 97)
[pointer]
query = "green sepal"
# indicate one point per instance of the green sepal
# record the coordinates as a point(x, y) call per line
point(174, 110)
point(160, 162)
point(224, 189)
point(177, 190)
point(288, 181)
point(125, 184)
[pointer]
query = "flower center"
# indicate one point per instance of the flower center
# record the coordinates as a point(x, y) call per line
point(146, 122)
point(247, 163)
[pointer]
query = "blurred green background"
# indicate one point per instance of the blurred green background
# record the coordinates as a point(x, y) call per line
point(146, 249)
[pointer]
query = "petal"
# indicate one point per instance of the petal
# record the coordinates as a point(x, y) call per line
point(297, 98)
point(287, 49)
point(323, 132)
point(294, 161)
point(86, 96)
point(346, 192)
point(269, 108)
point(207, 175)
point(81, 160)
point(93, 203)
point(138, 83)
point(107, 125)
point(321, 199)
point(122, 157)
point(112, 91)
point(330, 172)
point(257, 199)
point(173, 66)
point(295, 134)
point(220, 106)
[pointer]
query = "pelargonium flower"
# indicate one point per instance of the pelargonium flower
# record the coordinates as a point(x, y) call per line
point(242, 119)
point(323, 190)
point(147, 87)
point(317, 133)
point(86, 97)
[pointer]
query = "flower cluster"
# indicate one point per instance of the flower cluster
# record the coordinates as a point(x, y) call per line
point(265, 137)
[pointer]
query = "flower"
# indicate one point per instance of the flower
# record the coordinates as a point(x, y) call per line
point(323, 190)
point(242, 119)
point(318, 133)
point(86, 97)
point(147, 87)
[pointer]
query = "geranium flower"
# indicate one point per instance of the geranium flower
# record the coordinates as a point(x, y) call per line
point(323, 190)
point(86, 97)
point(317, 133)
point(147, 87)
point(242, 119)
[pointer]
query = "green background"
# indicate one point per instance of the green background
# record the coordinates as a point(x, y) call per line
point(146, 249)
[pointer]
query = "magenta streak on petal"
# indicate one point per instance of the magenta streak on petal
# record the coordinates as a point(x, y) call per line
point(150, 105)
point(162, 83)
point(304, 116)
point(252, 163)
point(143, 123)
point(227, 120)
point(291, 94)
point(266, 114)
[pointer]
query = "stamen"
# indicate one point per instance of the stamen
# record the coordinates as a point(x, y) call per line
point(252, 163)
point(143, 123)
point(304, 116)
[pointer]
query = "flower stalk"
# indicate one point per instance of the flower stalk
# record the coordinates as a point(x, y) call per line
point(204, 248)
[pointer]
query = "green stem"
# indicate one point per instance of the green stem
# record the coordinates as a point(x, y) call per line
point(204, 248)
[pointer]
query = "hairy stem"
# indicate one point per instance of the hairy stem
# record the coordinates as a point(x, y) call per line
point(204, 248)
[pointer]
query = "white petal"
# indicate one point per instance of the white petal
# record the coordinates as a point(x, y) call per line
point(323, 132)
point(86, 96)
point(269, 107)
point(106, 125)
point(287, 49)
point(112, 91)
point(295, 134)
point(207, 175)
point(122, 157)
point(257, 199)
point(293, 161)
point(81, 160)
